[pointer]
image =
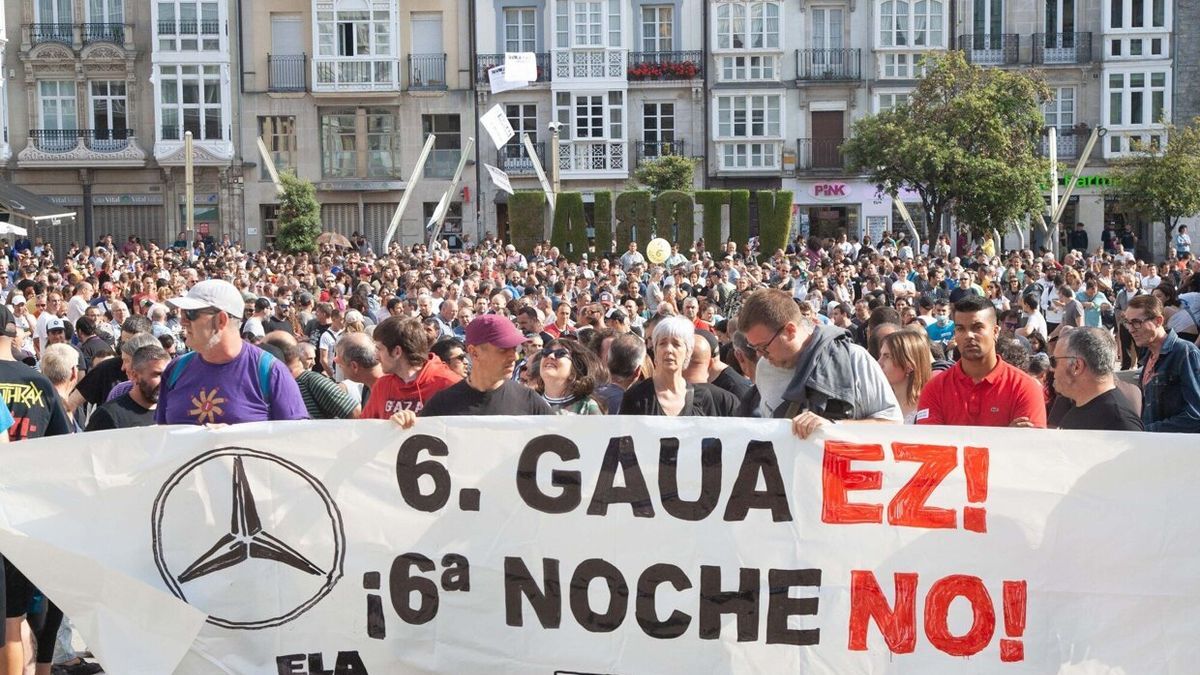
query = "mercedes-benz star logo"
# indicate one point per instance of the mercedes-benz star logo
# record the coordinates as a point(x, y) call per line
point(240, 580)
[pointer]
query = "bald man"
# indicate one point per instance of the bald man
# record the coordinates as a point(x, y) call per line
point(706, 367)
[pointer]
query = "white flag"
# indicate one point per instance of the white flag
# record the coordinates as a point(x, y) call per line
point(500, 83)
point(499, 178)
point(520, 67)
point(495, 122)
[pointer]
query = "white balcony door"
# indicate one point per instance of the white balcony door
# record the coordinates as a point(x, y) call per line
point(1060, 23)
point(108, 109)
point(520, 29)
point(54, 11)
point(59, 119)
point(657, 27)
point(106, 11)
point(989, 24)
point(827, 29)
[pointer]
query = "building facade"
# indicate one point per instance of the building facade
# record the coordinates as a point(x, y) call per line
point(761, 93)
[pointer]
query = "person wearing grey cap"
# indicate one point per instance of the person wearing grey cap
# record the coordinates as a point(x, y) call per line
point(223, 380)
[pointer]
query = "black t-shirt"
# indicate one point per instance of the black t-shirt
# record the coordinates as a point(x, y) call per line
point(36, 408)
point(738, 385)
point(94, 386)
point(90, 347)
point(511, 398)
point(1109, 411)
point(120, 413)
point(701, 400)
point(272, 324)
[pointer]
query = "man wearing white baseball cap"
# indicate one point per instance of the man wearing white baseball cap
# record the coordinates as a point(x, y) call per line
point(223, 380)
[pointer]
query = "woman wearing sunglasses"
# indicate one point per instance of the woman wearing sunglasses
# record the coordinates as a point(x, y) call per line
point(567, 374)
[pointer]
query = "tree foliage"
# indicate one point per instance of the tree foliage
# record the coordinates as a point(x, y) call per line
point(1162, 183)
point(967, 142)
point(299, 215)
point(669, 172)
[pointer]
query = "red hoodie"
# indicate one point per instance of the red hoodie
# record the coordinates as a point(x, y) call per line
point(391, 394)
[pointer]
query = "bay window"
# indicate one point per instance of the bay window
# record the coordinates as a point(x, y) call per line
point(749, 130)
point(191, 100)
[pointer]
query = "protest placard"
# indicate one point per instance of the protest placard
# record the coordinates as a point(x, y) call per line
point(613, 545)
point(500, 83)
point(496, 123)
point(499, 178)
point(520, 66)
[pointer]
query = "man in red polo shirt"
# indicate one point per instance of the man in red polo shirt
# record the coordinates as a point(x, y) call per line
point(981, 390)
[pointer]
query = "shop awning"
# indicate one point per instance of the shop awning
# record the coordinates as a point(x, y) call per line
point(21, 204)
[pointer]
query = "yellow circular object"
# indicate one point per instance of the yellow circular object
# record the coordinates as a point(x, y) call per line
point(658, 250)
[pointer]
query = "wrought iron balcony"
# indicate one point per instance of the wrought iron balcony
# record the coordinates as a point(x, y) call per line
point(647, 150)
point(485, 62)
point(514, 160)
point(645, 66)
point(55, 140)
point(288, 72)
point(104, 32)
point(819, 154)
point(66, 140)
point(107, 140)
point(1068, 143)
point(1064, 48)
point(52, 32)
point(991, 49)
point(829, 65)
point(426, 72)
point(52, 148)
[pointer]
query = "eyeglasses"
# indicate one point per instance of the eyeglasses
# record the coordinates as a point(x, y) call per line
point(1055, 359)
point(762, 350)
point(1138, 323)
point(558, 353)
point(458, 357)
point(193, 314)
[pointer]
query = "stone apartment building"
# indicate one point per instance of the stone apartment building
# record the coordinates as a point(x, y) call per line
point(762, 93)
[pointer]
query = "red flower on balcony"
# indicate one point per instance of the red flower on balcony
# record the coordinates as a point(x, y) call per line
point(675, 70)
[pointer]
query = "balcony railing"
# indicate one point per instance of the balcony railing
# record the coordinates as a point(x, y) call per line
point(514, 160)
point(589, 64)
point(829, 64)
point(426, 71)
point(819, 153)
point(485, 62)
point(646, 150)
point(645, 66)
point(591, 156)
point(991, 49)
point(190, 27)
point(1067, 142)
point(349, 73)
point(287, 72)
point(104, 32)
point(52, 32)
point(1062, 48)
point(442, 163)
point(66, 140)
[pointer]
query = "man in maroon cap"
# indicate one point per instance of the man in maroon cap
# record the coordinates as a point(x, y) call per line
point(488, 389)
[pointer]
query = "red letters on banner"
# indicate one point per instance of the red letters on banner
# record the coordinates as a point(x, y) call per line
point(909, 508)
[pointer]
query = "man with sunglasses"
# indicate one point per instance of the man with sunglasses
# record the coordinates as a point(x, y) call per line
point(832, 378)
point(1083, 364)
point(225, 380)
point(1170, 376)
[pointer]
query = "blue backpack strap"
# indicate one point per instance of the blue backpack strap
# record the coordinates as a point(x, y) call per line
point(265, 361)
point(180, 364)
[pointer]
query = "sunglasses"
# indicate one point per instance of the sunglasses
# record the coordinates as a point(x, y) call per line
point(558, 353)
point(1054, 360)
point(193, 314)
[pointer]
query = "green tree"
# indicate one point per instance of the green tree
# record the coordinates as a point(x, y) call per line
point(669, 172)
point(1162, 183)
point(966, 142)
point(299, 215)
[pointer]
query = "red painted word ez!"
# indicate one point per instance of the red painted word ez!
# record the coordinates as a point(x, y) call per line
point(909, 508)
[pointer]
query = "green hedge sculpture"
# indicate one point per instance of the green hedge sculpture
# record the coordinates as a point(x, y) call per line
point(675, 217)
point(526, 219)
point(712, 201)
point(570, 225)
point(739, 219)
point(634, 213)
point(602, 222)
point(774, 220)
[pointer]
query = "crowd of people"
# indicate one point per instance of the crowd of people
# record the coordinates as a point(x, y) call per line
point(129, 334)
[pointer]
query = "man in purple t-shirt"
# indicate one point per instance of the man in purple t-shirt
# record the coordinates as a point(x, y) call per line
point(224, 380)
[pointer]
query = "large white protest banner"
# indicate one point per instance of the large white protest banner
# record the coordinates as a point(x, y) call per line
point(614, 545)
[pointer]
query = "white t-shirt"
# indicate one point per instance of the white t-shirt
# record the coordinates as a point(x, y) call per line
point(772, 382)
point(903, 287)
point(1036, 323)
point(76, 306)
point(327, 344)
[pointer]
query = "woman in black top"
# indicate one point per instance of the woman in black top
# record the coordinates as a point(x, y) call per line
point(667, 393)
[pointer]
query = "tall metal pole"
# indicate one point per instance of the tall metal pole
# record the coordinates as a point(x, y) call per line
point(189, 185)
point(554, 161)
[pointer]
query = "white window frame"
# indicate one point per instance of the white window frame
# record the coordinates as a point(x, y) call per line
point(110, 99)
point(1124, 131)
point(61, 11)
point(567, 22)
point(900, 24)
point(1126, 12)
point(883, 101)
point(612, 118)
point(378, 25)
point(279, 134)
point(657, 26)
point(62, 93)
point(748, 26)
point(177, 75)
point(105, 11)
point(664, 123)
point(197, 16)
point(759, 144)
point(524, 21)
point(1060, 112)
point(823, 33)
